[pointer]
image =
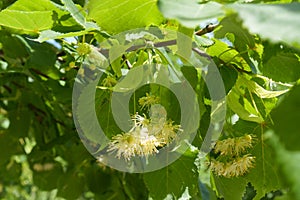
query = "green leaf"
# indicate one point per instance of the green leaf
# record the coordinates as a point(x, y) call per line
point(46, 170)
point(245, 111)
point(49, 34)
point(12, 173)
point(10, 148)
point(227, 54)
point(26, 21)
point(85, 112)
point(203, 41)
point(77, 15)
point(173, 179)
point(286, 117)
point(14, 46)
point(30, 16)
point(33, 5)
point(229, 76)
point(70, 185)
point(230, 188)
point(42, 61)
point(284, 67)
point(190, 13)
point(289, 163)
point(241, 39)
point(132, 80)
point(260, 91)
point(278, 22)
point(264, 176)
point(117, 16)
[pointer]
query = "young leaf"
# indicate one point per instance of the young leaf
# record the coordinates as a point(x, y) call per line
point(247, 111)
point(77, 15)
point(49, 34)
point(260, 91)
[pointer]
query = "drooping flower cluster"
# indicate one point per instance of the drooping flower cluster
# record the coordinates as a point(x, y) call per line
point(233, 168)
point(234, 146)
point(144, 138)
point(232, 161)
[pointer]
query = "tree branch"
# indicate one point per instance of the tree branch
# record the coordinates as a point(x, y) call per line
point(209, 28)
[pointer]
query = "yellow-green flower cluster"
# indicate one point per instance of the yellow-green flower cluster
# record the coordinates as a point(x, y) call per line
point(148, 100)
point(233, 168)
point(83, 49)
point(234, 146)
point(144, 138)
point(232, 161)
point(109, 82)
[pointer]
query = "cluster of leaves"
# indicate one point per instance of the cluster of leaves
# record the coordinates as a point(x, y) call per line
point(254, 47)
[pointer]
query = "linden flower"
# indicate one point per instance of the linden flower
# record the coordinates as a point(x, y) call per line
point(136, 142)
point(148, 100)
point(125, 144)
point(245, 163)
point(239, 166)
point(148, 143)
point(140, 121)
point(225, 147)
point(144, 138)
point(168, 132)
point(243, 143)
point(234, 168)
point(83, 49)
point(217, 167)
point(234, 146)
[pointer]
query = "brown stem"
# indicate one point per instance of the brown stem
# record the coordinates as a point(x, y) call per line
point(209, 28)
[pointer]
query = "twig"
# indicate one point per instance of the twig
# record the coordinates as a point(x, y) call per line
point(201, 53)
point(209, 28)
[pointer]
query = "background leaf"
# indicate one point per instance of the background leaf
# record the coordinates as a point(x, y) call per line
point(278, 22)
point(285, 117)
point(190, 13)
point(173, 179)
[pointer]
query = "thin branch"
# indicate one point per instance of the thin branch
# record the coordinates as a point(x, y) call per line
point(201, 53)
point(209, 28)
point(39, 73)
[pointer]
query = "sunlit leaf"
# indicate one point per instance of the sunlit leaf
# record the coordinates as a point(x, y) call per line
point(78, 16)
point(118, 15)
